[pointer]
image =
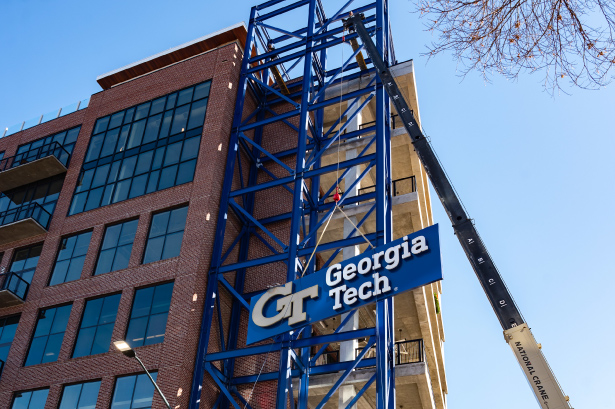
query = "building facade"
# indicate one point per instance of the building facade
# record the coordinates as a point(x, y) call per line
point(107, 221)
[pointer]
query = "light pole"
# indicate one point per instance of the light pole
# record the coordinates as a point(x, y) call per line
point(125, 349)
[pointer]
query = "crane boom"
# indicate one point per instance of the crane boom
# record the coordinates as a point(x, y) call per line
point(516, 332)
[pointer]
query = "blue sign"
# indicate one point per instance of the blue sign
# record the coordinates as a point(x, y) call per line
point(379, 273)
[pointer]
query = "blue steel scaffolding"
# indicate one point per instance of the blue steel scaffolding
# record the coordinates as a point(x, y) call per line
point(292, 66)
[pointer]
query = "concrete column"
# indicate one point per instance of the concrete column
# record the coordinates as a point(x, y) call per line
point(347, 348)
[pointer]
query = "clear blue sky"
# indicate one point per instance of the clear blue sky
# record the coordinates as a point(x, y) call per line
point(534, 171)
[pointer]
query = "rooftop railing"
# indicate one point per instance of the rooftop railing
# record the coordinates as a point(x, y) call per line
point(69, 109)
point(400, 186)
point(31, 210)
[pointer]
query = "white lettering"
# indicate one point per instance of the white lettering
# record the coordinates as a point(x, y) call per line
point(349, 271)
point(391, 256)
point(365, 265)
point(362, 293)
point(337, 277)
point(376, 258)
point(336, 294)
point(406, 254)
point(384, 280)
point(257, 315)
point(297, 298)
point(419, 245)
point(350, 296)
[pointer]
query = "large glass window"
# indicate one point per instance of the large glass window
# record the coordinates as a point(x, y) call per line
point(71, 257)
point(116, 247)
point(48, 335)
point(30, 399)
point(17, 204)
point(96, 326)
point(165, 235)
point(133, 392)
point(8, 327)
point(143, 149)
point(148, 318)
point(47, 146)
point(22, 269)
point(80, 396)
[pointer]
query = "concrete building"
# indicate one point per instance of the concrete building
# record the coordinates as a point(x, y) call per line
point(107, 219)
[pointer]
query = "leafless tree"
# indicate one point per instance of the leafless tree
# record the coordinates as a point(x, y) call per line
point(568, 40)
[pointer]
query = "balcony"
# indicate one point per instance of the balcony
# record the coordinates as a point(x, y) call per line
point(34, 165)
point(23, 222)
point(13, 292)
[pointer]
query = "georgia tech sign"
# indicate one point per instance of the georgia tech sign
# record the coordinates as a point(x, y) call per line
point(399, 266)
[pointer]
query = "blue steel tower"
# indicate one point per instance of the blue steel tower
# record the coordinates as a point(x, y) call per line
point(275, 201)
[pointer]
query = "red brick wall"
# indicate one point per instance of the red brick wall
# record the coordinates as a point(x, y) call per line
point(173, 359)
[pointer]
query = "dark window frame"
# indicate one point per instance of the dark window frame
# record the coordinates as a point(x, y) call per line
point(117, 246)
point(147, 240)
point(149, 315)
point(64, 386)
point(69, 236)
point(29, 391)
point(74, 347)
point(33, 334)
point(153, 373)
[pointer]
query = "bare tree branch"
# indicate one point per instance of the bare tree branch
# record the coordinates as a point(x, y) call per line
point(568, 40)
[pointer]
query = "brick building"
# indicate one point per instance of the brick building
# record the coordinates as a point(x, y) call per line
point(107, 218)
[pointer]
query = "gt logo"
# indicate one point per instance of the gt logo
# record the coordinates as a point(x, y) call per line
point(290, 306)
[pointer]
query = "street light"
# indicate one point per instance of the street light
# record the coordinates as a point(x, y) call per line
point(125, 349)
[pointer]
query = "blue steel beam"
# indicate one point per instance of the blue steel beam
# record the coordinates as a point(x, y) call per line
point(321, 35)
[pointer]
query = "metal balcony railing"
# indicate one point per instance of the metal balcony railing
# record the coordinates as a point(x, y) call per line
point(400, 186)
point(31, 155)
point(16, 285)
point(328, 357)
point(31, 210)
point(406, 352)
point(1, 367)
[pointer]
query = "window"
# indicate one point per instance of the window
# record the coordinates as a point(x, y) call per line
point(61, 145)
point(30, 399)
point(22, 270)
point(148, 319)
point(165, 235)
point(8, 326)
point(116, 247)
point(19, 203)
point(143, 149)
point(48, 335)
point(132, 392)
point(80, 396)
point(71, 257)
point(96, 326)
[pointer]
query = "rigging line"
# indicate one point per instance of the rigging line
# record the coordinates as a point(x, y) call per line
point(319, 239)
point(355, 226)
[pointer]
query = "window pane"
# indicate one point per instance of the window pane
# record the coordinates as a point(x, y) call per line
point(144, 162)
point(144, 392)
point(102, 339)
point(156, 328)
point(129, 115)
point(197, 114)
point(153, 252)
point(138, 186)
point(179, 119)
point(35, 355)
point(166, 124)
point(83, 346)
point(112, 235)
point(185, 96)
point(142, 302)
point(94, 199)
point(52, 349)
point(201, 90)
point(91, 313)
point(136, 134)
point(59, 272)
point(105, 261)
point(109, 310)
point(121, 191)
point(177, 221)
point(159, 225)
point(122, 396)
point(38, 399)
point(135, 335)
point(142, 111)
point(95, 146)
point(167, 177)
point(128, 232)
point(191, 148)
point(172, 245)
point(101, 125)
point(70, 397)
point(100, 176)
point(185, 172)
point(153, 126)
point(171, 101)
point(158, 106)
point(89, 395)
point(172, 155)
point(122, 257)
point(152, 183)
point(116, 120)
point(162, 298)
point(108, 147)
